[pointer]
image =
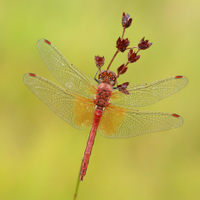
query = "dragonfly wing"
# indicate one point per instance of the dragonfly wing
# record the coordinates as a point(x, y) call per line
point(120, 122)
point(75, 109)
point(66, 73)
point(149, 93)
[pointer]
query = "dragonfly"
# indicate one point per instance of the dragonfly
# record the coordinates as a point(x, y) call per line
point(99, 104)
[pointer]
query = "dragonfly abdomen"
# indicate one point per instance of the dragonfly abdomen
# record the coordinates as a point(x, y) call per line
point(90, 142)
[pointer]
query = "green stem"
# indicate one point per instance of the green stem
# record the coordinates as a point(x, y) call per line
point(77, 184)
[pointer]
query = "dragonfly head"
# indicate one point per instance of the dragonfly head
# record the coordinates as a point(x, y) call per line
point(107, 76)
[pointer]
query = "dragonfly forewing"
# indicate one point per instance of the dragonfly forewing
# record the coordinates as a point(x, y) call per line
point(67, 74)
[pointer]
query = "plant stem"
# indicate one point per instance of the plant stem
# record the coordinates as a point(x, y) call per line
point(77, 184)
point(137, 51)
point(132, 47)
point(123, 32)
point(126, 64)
point(113, 59)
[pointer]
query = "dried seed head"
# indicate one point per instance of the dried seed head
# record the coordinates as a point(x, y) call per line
point(144, 44)
point(122, 44)
point(99, 61)
point(122, 87)
point(126, 20)
point(121, 70)
point(132, 56)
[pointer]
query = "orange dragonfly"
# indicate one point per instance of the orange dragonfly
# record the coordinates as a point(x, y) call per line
point(83, 102)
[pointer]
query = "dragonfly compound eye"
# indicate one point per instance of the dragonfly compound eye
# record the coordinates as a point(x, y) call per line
point(107, 76)
point(113, 78)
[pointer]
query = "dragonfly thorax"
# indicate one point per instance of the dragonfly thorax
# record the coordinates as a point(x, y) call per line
point(107, 76)
point(103, 95)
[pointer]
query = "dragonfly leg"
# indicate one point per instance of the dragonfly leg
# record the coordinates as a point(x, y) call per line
point(115, 88)
point(95, 78)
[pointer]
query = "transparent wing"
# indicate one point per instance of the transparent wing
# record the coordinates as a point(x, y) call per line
point(120, 122)
point(149, 93)
point(75, 109)
point(66, 73)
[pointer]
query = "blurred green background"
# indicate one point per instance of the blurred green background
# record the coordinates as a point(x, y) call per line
point(40, 154)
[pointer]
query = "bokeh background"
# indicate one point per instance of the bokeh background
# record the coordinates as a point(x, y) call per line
point(40, 154)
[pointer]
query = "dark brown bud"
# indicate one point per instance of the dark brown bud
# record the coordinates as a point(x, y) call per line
point(126, 20)
point(99, 61)
point(121, 70)
point(122, 44)
point(144, 44)
point(132, 56)
point(122, 87)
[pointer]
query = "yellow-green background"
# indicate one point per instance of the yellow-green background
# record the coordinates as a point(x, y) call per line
point(40, 154)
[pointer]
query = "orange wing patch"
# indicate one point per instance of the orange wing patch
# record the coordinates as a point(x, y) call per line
point(83, 111)
point(112, 118)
